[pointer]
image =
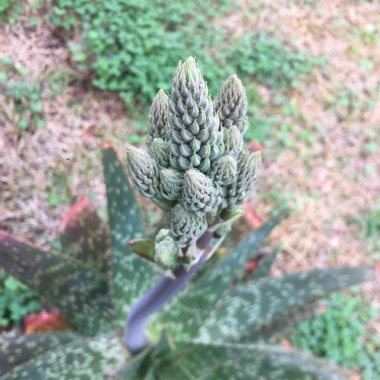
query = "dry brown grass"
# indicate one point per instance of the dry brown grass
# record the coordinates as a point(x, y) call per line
point(334, 180)
point(67, 145)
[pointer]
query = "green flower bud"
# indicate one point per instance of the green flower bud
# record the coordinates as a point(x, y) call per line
point(248, 171)
point(193, 132)
point(185, 226)
point(233, 140)
point(158, 117)
point(171, 184)
point(224, 170)
point(199, 194)
point(166, 250)
point(160, 152)
point(232, 104)
point(143, 171)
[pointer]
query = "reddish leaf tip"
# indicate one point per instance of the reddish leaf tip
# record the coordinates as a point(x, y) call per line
point(45, 321)
point(250, 266)
point(252, 218)
point(106, 145)
point(377, 270)
point(4, 234)
point(254, 146)
point(76, 209)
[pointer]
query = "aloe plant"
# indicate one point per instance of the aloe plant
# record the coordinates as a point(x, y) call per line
point(142, 309)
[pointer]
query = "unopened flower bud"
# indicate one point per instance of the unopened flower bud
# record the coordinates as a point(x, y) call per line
point(166, 250)
point(143, 171)
point(158, 117)
point(224, 170)
point(248, 171)
point(171, 184)
point(160, 152)
point(193, 131)
point(185, 226)
point(233, 140)
point(232, 104)
point(199, 194)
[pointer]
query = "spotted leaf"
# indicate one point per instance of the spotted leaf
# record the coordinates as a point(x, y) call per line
point(137, 368)
point(131, 275)
point(78, 292)
point(84, 236)
point(184, 317)
point(279, 326)
point(255, 305)
point(242, 362)
point(94, 358)
point(264, 263)
point(16, 351)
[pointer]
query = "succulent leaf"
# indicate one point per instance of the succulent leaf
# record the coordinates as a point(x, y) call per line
point(171, 182)
point(143, 366)
point(185, 226)
point(94, 358)
point(242, 362)
point(138, 368)
point(257, 304)
point(264, 265)
point(199, 193)
point(158, 117)
point(131, 275)
point(282, 324)
point(144, 172)
point(22, 349)
point(184, 318)
point(224, 170)
point(142, 247)
point(84, 236)
point(193, 132)
point(78, 291)
point(231, 104)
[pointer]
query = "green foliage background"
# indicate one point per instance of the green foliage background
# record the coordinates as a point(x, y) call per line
point(16, 301)
point(340, 334)
point(131, 47)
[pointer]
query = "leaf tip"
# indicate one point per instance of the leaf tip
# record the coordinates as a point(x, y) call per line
point(4, 235)
point(76, 209)
point(106, 145)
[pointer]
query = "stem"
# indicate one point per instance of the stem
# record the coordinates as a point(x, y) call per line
point(163, 291)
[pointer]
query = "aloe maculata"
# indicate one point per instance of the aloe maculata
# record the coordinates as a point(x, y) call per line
point(143, 309)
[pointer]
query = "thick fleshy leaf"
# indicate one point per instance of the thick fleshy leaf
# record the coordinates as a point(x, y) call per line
point(77, 291)
point(280, 326)
point(131, 275)
point(184, 317)
point(242, 362)
point(94, 358)
point(137, 368)
point(264, 264)
point(142, 367)
point(45, 321)
point(142, 247)
point(84, 236)
point(255, 305)
point(16, 351)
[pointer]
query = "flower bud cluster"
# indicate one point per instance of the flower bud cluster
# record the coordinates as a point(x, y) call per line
point(195, 162)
